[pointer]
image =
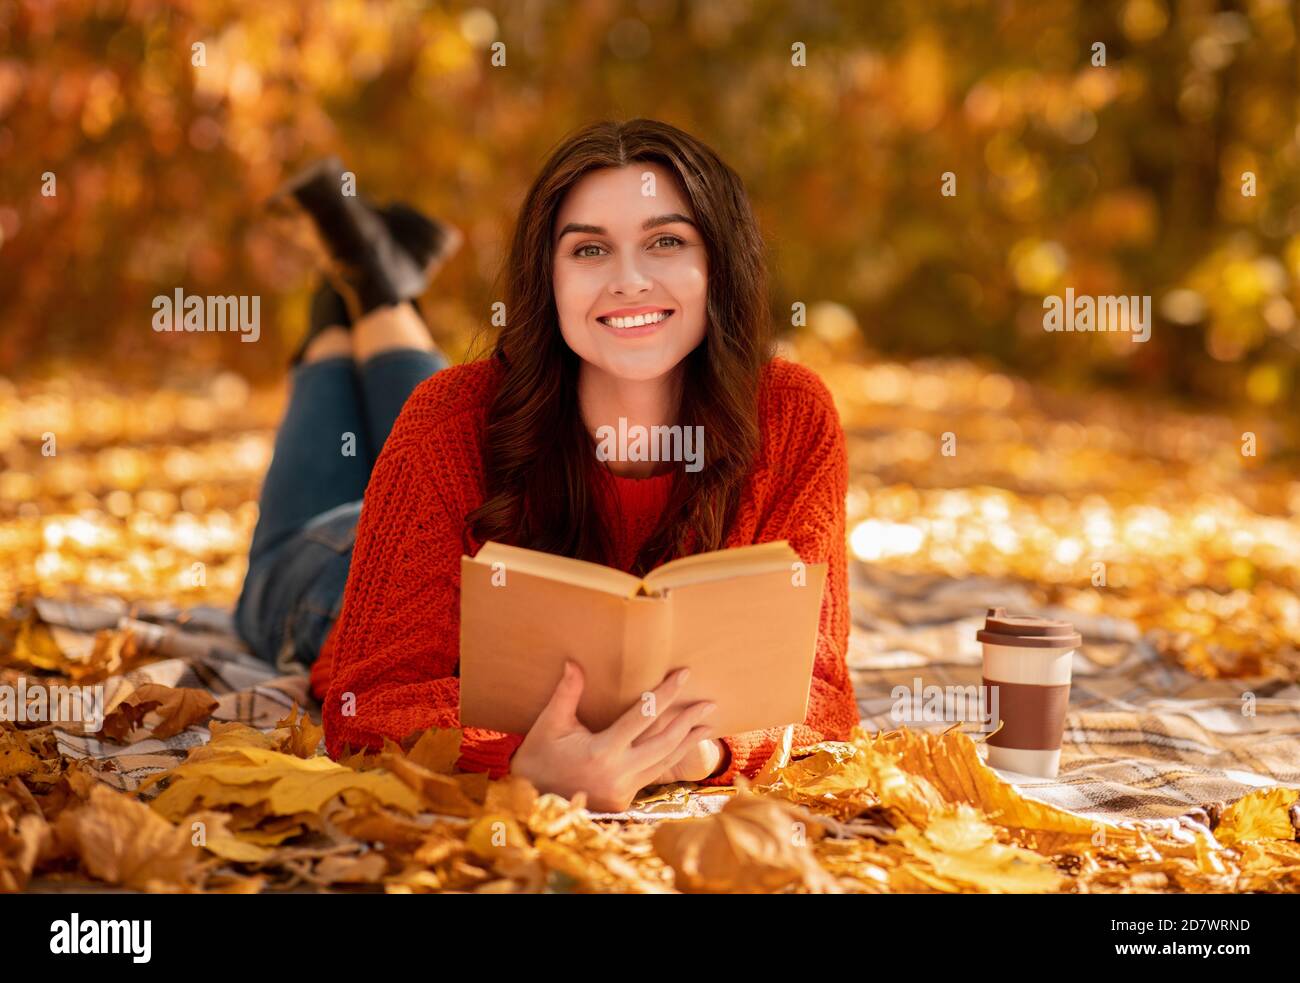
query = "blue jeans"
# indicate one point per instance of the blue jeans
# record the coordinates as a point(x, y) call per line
point(338, 418)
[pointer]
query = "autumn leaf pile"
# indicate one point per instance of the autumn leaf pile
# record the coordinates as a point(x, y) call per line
point(252, 811)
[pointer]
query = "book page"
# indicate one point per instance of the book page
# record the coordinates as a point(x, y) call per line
point(719, 564)
point(562, 568)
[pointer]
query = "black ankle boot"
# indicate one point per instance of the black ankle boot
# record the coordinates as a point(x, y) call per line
point(373, 264)
point(328, 310)
point(428, 241)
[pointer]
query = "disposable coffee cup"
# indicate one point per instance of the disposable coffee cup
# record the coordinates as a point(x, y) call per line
point(1028, 660)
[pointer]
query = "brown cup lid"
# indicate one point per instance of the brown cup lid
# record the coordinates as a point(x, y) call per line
point(1018, 631)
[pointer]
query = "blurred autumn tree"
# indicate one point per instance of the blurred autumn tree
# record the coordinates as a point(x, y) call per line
point(1122, 178)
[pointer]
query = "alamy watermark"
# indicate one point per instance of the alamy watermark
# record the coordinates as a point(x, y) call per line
point(1087, 313)
point(657, 443)
point(54, 704)
point(102, 936)
point(947, 704)
point(235, 313)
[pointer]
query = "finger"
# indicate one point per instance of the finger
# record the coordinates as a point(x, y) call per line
point(663, 721)
point(665, 716)
point(694, 739)
point(635, 721)
point(650, 752)
point(561, 711)
point(661, 772)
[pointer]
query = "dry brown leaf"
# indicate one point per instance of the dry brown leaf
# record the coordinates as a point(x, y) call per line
point(122, 841)
point(438, 749)
point(15, 760)
point(242, 775)
point(276, 831)
point(834, 777)
point(24, 836)
point(754, 844)
point(442, 794)
point(223, 883)
point(304, 736)
point(950, 763)
point(492, 833)
point(960, 852)
point(123, 719)
point(920, 775)
point(29, 754)
point(442, 842)
point(513, 795)
point(379, 827)
point(113, 652)
point(212, 831)
point(178, 708)
point(498, 840)
point(231, 733)
point(414, 880)
point(34, 646)
point(362, 759)
point(580, 869)
point(1263, 814)
point(368, 868)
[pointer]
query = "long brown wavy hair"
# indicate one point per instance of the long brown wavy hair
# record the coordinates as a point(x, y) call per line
point(540, 460)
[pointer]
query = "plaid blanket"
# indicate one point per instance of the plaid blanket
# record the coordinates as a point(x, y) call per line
point(199, 650)
point(1145, 741)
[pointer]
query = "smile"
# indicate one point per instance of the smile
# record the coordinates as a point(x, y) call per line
point(636, 321)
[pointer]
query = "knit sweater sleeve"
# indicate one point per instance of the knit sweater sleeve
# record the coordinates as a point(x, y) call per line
point(807, 508)
point(397, 640)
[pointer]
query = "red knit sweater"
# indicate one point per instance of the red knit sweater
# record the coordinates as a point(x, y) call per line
point(395, 646)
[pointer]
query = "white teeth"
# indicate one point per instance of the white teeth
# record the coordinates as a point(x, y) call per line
point(637, 321)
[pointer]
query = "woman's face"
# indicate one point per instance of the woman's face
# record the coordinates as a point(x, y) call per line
point(631, 272)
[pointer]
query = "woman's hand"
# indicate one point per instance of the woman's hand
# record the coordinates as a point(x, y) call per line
point(700, 762)
point(560, 755)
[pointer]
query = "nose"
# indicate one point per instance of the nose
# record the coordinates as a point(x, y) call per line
point(629, 279)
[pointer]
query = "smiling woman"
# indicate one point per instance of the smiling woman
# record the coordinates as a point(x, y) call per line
point(636, 300)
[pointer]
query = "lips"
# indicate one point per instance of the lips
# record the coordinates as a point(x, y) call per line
point(646, 319)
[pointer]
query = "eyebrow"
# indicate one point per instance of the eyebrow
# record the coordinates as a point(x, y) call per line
point(649, 223)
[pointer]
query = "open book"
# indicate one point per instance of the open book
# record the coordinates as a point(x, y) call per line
point(744, 621)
